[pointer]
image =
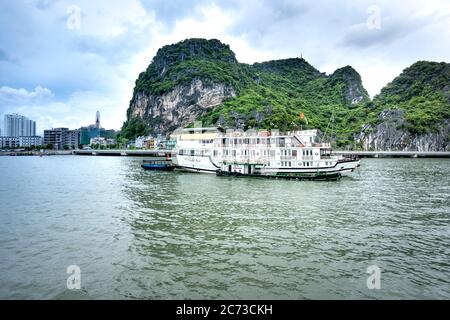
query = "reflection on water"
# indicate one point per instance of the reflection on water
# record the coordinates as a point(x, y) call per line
point(142, 234)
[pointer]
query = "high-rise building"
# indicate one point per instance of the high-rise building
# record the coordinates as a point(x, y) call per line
point(85, 136)
point(73, 139)
point(16, 125)
point(61, 137)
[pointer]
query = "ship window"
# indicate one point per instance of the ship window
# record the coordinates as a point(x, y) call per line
point(294, 153)
point(192, 152)
point(215, 153)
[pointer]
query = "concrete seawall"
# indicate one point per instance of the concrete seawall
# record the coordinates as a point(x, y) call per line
point(118, 153)
point(164, 153)
point(35, 153)
point(393, 154)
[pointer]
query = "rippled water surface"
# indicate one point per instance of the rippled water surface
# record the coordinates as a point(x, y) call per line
point(154, 235)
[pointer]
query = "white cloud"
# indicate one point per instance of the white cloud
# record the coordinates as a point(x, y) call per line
point(10, 97)
point(76, 111)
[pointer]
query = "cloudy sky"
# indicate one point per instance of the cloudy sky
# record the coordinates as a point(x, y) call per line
point(61, 61)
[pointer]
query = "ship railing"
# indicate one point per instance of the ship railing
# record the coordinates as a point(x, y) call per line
point(260, 145)
point(244, 160)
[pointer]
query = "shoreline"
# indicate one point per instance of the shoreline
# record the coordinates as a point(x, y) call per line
point(35, 153)
point(165, 153)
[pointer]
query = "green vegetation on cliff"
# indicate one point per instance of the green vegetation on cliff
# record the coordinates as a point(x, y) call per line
point(133, 127)
point(179, 64)
point(423, 92)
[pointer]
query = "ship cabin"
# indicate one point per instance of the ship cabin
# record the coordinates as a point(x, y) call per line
point(252, 150)
point(197, 141)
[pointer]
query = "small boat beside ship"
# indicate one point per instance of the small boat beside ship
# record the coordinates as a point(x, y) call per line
point(158, 165)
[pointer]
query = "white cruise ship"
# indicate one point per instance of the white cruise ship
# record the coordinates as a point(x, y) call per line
point(296, 154)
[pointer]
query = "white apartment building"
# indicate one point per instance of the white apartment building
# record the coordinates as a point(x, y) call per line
point(19, 126)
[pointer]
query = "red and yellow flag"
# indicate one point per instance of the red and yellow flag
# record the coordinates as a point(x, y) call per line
point(303, 118)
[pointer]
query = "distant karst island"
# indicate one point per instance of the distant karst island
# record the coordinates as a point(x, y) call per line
point(201, 80)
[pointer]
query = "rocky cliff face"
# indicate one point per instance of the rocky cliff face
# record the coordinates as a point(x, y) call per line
point(179, 106)
point(390, 134)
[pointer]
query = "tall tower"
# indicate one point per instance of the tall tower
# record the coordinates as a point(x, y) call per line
point(97, 120)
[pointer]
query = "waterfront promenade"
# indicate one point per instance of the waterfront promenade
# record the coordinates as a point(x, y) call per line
point(164, 153)
point(361, 154)
point(393, 154)
point(36, 153)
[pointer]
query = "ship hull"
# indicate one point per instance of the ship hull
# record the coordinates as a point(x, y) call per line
point(317, 176)
point(201, 164)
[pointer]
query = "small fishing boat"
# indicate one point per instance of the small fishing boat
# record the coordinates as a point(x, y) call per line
point(160, 165)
